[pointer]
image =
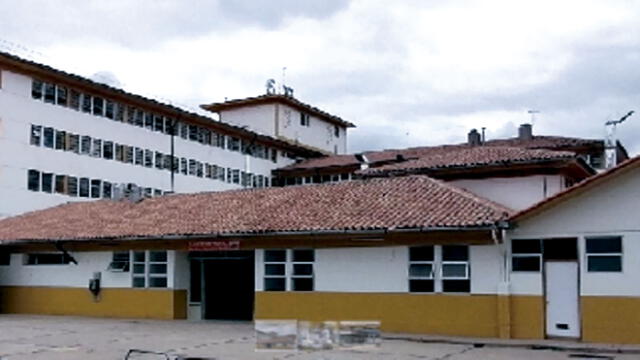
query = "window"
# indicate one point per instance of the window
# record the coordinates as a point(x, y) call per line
point(455, 268)
point(84, 187)
point(302, 270)
point(36, 89)
point(73, 143)
point(234, 144)
point(604, 254)
point(98, 106)
point(107, 150)
point(184, 166)
point(36, 135)
point(193, 133)
point(336, 131)
point(148, 121)
point(421, 269)
point(159, 160)
point(5, 258)
point(49, 137)
point(199, 170)
point(526, 255)
point(274, 155)
point(119, 152)
point(61, 140)
point(275, 262)
point(72, 186)
point(184, 130)
point(85, 145)
point(119, 112)
point(195, 289)
point(217, 140)
point(86, 103)
point(62, 96)
point(192, 167)
point(119, 261)
point(149, 269)
point(49, 93)
point(139, 118)
point(158, 123)
point(74, 100)
point(304, 119)
point(106, 190)
point(128, 154)
point(139, 156)
point(148, 158)
point(48, 259)
point(97, 148)
point(61, 184)
point(33, 180)
point(109, 109)
point(47, 182)
point(95, 188)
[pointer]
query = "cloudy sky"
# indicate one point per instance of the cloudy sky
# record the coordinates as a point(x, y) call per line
point(407, 73)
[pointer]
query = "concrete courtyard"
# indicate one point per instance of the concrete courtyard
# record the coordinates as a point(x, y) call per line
point(69, 338)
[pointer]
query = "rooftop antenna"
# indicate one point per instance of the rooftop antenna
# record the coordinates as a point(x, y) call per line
point(610, 143)
point(284, 74)
point(533, 113)
point(288, 91)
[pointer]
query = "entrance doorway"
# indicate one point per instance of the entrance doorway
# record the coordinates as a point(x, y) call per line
point(227, 284)
point(561, 287)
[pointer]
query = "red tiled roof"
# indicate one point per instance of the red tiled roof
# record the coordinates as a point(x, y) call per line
point(578, 188)
point(276, 98)
point(546, 142)
point(469, 157)
point(382, 204)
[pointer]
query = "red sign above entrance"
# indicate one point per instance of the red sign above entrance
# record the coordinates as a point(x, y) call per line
point(224, 245)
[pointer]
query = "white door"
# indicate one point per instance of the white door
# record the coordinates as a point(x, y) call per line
point(561, 285)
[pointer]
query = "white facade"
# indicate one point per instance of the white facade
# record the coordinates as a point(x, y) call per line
point(21, 151)
point(286, 122)
point(607, 210)
point(516, 193)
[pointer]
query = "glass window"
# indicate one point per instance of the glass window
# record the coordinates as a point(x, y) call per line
point(33, 180)
point(120, 261)
point(61, 140)
point(47, 182)
point(109, 109)
point(97, 148)
point(107, 150)
point(98, 106)
point(72, 186)
point(36, 135)
point(139, 272)
point(85, 145)
point(119, 111)
point(421, 269)
point(158, 123)
point(106, 190)
point(62, 96)
point(49, 93)
point(139, 156)
point(275, 274)
point(95, 188)
point(148, 120)
point(84, 187)
point(74, 143)
point(604, 254)
point(86, 103)
point(49, 137)
point(74, 100)
point(61, 184)
point(36, 89)
point(48, 259)
point(159, 160)
point(302, 270)
point(455, 268)
point(526, 255)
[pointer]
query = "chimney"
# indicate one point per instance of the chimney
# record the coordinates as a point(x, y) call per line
point(474, 138)
point(525, 132)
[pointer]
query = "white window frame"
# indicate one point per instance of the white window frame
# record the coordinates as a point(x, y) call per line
point(466, 270)
point(594, 255)
point(147, 275)
point(294, 276)
point(284, 265)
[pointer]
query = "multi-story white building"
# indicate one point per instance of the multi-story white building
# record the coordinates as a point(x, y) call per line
point(65, 138)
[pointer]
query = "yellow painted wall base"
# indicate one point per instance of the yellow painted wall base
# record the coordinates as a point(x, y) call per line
point(611, 319)
point(112, 302)
point(460, 315)
point(527, 317)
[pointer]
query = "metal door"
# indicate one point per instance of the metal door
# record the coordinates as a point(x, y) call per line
point(561, 291)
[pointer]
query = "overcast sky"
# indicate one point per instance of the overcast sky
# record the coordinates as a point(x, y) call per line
point(407, 73)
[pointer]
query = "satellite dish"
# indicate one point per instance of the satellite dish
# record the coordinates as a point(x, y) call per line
point(288, 91)
point(271, 86)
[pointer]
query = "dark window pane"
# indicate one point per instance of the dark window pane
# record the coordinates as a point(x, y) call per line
point(158, 256)
point(62, 96)
point(95, 188)
point(36, 135)
point(61, 184)
point(107, 150)
point(527, 263)
point(74, 100)
point(138, 268)
point(302, 284)
point(303, 269)
point(605, 263)
point(85, 145)
point(48, 259)
point(454, 270)
point(98, 106)
point(526, 246)
point(421, 285)
point(5, 258)
point(456, 286)
point(49, 135)
point(33, 180)
point(47, 182)
point(274, 284)
point(61, 140)
point(274, 269)
point(138, 282)
point(106, 190)
point(36, 89)
point(275, 255)
point(195, 289)
point(86, 103)
point(455, 253)
point(157, 268)
point(421, 253)
point(72, 186)
point(148, 121)
point(49, 93)
point(108, 107)
point(303, 255)
point(84, 187)
point(158, 123)
point(420, 270)
point(604, 245)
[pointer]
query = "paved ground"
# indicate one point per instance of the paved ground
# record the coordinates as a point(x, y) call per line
point(70, 338)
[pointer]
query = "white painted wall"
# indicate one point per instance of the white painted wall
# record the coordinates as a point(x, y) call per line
point(258, 118)
point(71, 275)
point(609, 209)
point(18, 111)
point(516, 193)
point(385, 269)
